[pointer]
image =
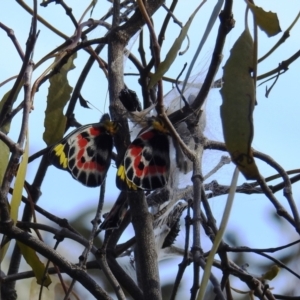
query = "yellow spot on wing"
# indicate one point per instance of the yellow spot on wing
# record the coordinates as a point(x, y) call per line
point(122, 175)
point(59, 151)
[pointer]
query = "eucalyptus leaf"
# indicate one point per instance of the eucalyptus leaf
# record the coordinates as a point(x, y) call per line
point(37, 266)
point(266, 21)
point(238, 94)
point(58, 96)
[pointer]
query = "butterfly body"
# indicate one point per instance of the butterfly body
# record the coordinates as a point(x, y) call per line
point(146, 163)
point(86, 152)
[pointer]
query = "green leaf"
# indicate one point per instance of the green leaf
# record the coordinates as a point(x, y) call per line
point(58, 96)
point(4, 156)
point(19, 183)
point(238, 94)
point(17, 193)
point(170, 57)
point(34, 262)
point(271, 273)
point(266, 21)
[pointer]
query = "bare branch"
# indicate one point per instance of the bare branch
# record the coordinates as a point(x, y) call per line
point(12, 36)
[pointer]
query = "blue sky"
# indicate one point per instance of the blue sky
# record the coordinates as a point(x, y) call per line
point(276, 118)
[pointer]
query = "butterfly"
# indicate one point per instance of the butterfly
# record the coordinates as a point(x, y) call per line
point(86, 152)
point(146, 163)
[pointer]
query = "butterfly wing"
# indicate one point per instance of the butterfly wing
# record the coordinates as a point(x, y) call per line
point(147, 162)
point(85, 154)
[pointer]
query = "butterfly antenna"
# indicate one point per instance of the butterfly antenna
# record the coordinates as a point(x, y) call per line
point(95, 107)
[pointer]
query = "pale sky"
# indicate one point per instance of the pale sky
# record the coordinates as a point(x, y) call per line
point(276, 119)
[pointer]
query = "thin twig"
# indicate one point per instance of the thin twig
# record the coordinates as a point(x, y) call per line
point(283, 38)
point(287, 191)
point(71, 269)
point(40, 19)
point(268, 192)
point(156, 54)
point(197, 180)
point(61, 222)
point(13, 147)
point(12, 36)
point(186, 260)
point(282, 67)
point(68, 11)
point(141, 49)
point(261, 252)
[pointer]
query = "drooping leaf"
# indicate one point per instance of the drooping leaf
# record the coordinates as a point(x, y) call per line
point(17, 193)
point(266, 21)
point(19, 183)
point(171, 55)
point(4, 156)
point(58, 95)
point(34, 262)
point(238, 94)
